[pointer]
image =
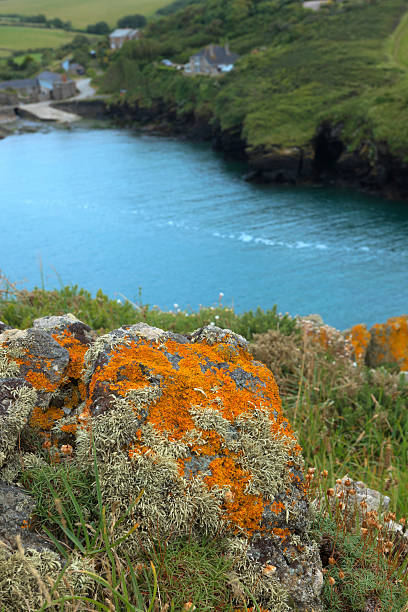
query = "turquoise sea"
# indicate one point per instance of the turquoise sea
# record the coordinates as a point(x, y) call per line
point(111, 209)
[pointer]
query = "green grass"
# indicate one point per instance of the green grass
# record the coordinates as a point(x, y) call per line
point(82, 13)
point(15, 38)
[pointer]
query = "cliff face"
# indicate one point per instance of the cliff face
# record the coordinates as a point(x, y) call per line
point(326, 159)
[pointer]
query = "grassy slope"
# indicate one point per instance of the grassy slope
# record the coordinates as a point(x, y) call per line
point(82, 13)
point(307, 67)
point(16, 38)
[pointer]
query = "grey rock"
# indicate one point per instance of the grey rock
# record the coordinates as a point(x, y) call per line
point(16, 507)
point(374, 499)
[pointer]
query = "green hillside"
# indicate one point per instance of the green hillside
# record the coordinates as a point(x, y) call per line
point(345, 64)
point(81, 13)
point(16, 38)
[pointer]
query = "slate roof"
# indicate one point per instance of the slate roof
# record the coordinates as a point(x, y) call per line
point(122, 32)
point(51, 77)
point(19, 84)
point(216, 55)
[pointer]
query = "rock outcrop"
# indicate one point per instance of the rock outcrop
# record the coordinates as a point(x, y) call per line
point(384, 344)
point(193, 422)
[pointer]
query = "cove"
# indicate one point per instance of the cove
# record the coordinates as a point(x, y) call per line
point(111, 209)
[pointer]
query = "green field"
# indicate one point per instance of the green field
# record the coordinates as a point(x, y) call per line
point(82, 13)
point(15, 38)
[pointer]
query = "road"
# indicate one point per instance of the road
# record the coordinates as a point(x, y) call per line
point(45, 112)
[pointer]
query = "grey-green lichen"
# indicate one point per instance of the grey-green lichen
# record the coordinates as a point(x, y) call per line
point(28, 576)
point(16, 418)
point(8, 367)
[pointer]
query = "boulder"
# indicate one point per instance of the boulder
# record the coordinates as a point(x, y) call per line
point(196, 425)
point(389, 343)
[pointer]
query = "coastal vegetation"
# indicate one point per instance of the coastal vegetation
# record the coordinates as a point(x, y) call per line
point(349, 419)
point(298, 70)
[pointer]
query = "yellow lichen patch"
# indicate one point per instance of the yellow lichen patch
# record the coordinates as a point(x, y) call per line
point(390, 342)
point(76, 350)
point(45, 420)
point(359, 336)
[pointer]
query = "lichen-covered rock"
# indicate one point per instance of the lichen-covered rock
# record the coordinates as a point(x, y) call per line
point(328, 338)
point(51, 357)
point(37, 357)
point(359, 336)
point(73, 335)
point(17, 401)
point(389, 343)
point(197, 424)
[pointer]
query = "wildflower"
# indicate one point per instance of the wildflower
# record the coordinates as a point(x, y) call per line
point(212, 323)
point(67, 449)
point(353, 492)
point(332, 561)
point(324, 474)
point(388, 546)
point(341, 575)
point(217, 317)
point(269, 569)
point(189, 606)
point(330, 492)
point(332, 581)
point(221, 295)
point(364, 531)
point(348, 482)
point(47, 444)
point(176, 306)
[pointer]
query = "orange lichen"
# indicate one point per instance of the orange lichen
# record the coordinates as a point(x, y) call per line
point(200, 379)
point(244, 510)
point(45, 419)
point(390, 342)
point(281, 533)
point(76, 350)
point(359, 336)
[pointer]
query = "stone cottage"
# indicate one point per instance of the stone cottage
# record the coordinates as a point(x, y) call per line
point(212, 60)
point(118, 37)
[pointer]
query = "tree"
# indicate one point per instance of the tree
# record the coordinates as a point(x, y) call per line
point(132, 21)
point(98, 28)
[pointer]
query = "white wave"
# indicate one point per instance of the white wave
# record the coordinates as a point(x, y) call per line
point(245, 237)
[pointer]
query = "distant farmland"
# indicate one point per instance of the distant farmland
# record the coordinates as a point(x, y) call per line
point(16, 38)
point(82, 12)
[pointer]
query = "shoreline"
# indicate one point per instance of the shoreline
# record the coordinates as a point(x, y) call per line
point(326, 162)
